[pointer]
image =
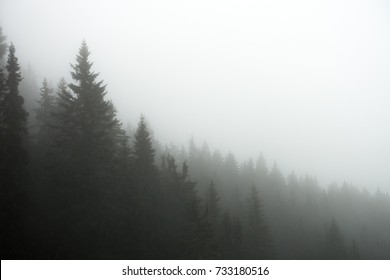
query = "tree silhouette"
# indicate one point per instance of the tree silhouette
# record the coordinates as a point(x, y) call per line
point(143, 150)
point(14, 158)
point(212, 205)
point(259, 243)
point(44, 116)
point(3, 46)
point(334, 243)
point(96, 126)
point(13, 124)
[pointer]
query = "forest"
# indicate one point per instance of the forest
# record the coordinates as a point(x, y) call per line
point(78, 184)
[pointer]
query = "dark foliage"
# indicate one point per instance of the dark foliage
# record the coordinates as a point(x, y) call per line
point(14, 177)
point(98, 192)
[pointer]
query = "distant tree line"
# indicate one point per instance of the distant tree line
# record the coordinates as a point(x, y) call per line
point(76, 185)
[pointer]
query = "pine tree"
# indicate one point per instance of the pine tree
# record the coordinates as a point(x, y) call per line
point(145, 188)
point(173, 207)
point(64, 170)
point(3, 49)
point(226, 229)
point(13, 124)
point(95, 121)
point(44, 115)
point(3, 46)
point(144, 151)
point(186, 233)
point(87, 145)
point(259, 242)
point(3, 93)
point(125, 159)
point(87, 130)
point(334, 243)
point(14, 158)
point(237, 238)
point(230, 237)
point(198, 236)
point(64, 119)
point(212, 204)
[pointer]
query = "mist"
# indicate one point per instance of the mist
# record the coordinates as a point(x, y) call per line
point(207, 130)
point(305, 83)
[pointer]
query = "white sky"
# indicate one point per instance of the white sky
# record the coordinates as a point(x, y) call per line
point(307, 83)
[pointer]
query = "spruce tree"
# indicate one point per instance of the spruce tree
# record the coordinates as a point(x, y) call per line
point(237, 238)
point(95, 126)
point(144, 151)
point(334, 243)
point(3, 46)
point(87, 143)
point(231, 237)
point(212, 204)
point(14, 158)
point(259, 243)
point(44, 115)
point(64, 170)
point(64, 119)
point(3, 92)
point(13, 123)
point(198, 237)
point(186, 234)
point(146, 189)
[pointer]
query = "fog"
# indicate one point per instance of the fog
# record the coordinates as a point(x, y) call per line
point(305, 83)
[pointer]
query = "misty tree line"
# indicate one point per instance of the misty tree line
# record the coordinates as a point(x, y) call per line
point(76, 185)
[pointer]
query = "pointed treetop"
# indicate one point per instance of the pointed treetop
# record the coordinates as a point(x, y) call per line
point(45, 86)
point(46, 92)
point(143, 147)
point(14, 116)
point(3, 45)
point(62, 84)
point(84, 51)
point(13, 68)
point(82, 69)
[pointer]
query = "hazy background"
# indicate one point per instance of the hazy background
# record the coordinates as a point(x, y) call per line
point(304, 82)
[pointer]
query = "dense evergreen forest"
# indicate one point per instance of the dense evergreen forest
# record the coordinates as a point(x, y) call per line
point(75, 184)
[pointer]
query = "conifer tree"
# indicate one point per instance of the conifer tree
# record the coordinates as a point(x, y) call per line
point(63, 97)
point(86, 142)
point(237, 237)
point(334, 243)
point(259, 243)
point(125, 155)
point(187, 234)
point(14, 158)
point(44, 115)
point(95, 126)
point(13, 124)
point(226, 229)
point(3, 49)
point(199, 238)
point(3, 46)
point(64, 119)
point(145, 188)
point(144, 151)
point(231, 237)
point(3, 92)
point(212, 204)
